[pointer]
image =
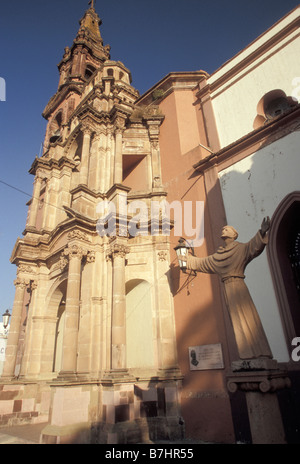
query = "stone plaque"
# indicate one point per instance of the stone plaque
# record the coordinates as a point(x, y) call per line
point(206, 357)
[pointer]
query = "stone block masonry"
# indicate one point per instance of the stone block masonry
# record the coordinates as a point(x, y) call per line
point(24, 404)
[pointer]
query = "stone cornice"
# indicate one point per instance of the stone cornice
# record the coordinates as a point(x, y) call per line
point(60, 96)
point(50, 164)
point(215, 82)
point(39, 249)
point(171, 82)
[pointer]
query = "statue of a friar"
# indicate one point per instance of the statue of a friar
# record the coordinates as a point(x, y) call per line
point(229, 262)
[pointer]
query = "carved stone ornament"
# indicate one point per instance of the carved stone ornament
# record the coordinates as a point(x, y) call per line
point(22, 283)
point(62, 262)
point(162, 255)
point(119, 124)
point(77, 234)
point(33, 285)
point(25, 268)
point(263, 382)
point(90, 258)
point(74, 251)
point(117, 251)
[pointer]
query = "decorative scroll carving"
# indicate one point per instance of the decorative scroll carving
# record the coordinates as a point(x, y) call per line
point(263, 382)
point(90, 258)
point(77, 234)
point(22, 283)
point(25, 268)
point(117, 250)
point(162, 255)
point(74, 251)
point(62, 262)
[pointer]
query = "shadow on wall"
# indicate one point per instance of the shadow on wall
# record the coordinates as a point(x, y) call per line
point(253, 191)
point(206, 406)
point(155, 406)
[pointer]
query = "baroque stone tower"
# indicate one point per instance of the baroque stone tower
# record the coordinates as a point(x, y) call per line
point(92, 346)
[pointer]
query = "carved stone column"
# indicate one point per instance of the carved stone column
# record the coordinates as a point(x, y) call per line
point(14, 332)
point(35, 201)
point(118, 334)
point(69, 359)
point(84, 167)
point(260, 387)
point(118, 171)
point(153, 127)
point(33, 338)
point(102, 165)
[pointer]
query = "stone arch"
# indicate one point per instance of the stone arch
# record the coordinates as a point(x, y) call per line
point(271, 105)
point(285, 221)
point(55, 126)
point(76, 148)
point(139, 324)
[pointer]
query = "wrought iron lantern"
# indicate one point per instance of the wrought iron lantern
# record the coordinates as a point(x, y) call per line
point(5, 318)
point(182, 249)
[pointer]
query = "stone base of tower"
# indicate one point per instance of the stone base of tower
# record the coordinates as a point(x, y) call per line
point(24, 403)
point(114, 413)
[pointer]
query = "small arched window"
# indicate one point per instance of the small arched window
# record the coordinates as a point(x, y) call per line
point(55, 128)
point(271, 105)
point(89, 71)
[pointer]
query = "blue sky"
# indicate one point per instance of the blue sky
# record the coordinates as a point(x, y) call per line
point(151, 37)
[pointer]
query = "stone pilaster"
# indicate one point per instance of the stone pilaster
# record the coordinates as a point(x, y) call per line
point(84, 166)
point(167, 352)
point(102, 185)
point(117, 254)
point(15, 327)
point(118, 168)
point(153, 127)
point(75, 254)
point(35, 201)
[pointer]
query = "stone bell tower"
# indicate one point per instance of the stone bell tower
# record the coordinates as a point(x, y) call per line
point(92, 345)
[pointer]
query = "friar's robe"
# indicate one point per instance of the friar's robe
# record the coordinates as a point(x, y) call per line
point(229, 263)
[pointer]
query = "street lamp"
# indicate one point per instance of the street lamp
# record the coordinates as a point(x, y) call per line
point(182, 249)
point(5, 318)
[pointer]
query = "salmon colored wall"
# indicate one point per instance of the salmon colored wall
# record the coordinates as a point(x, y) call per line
point(137, 178)
point(197, 300)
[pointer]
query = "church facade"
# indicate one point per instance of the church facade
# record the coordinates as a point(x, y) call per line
point(106, 329)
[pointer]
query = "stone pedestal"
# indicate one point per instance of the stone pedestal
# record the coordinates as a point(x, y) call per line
point(260, 379)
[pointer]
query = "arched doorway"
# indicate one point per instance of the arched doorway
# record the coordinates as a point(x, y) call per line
point(57, 357)
point(57, 308)
point(284, 257)
point(139, 325)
